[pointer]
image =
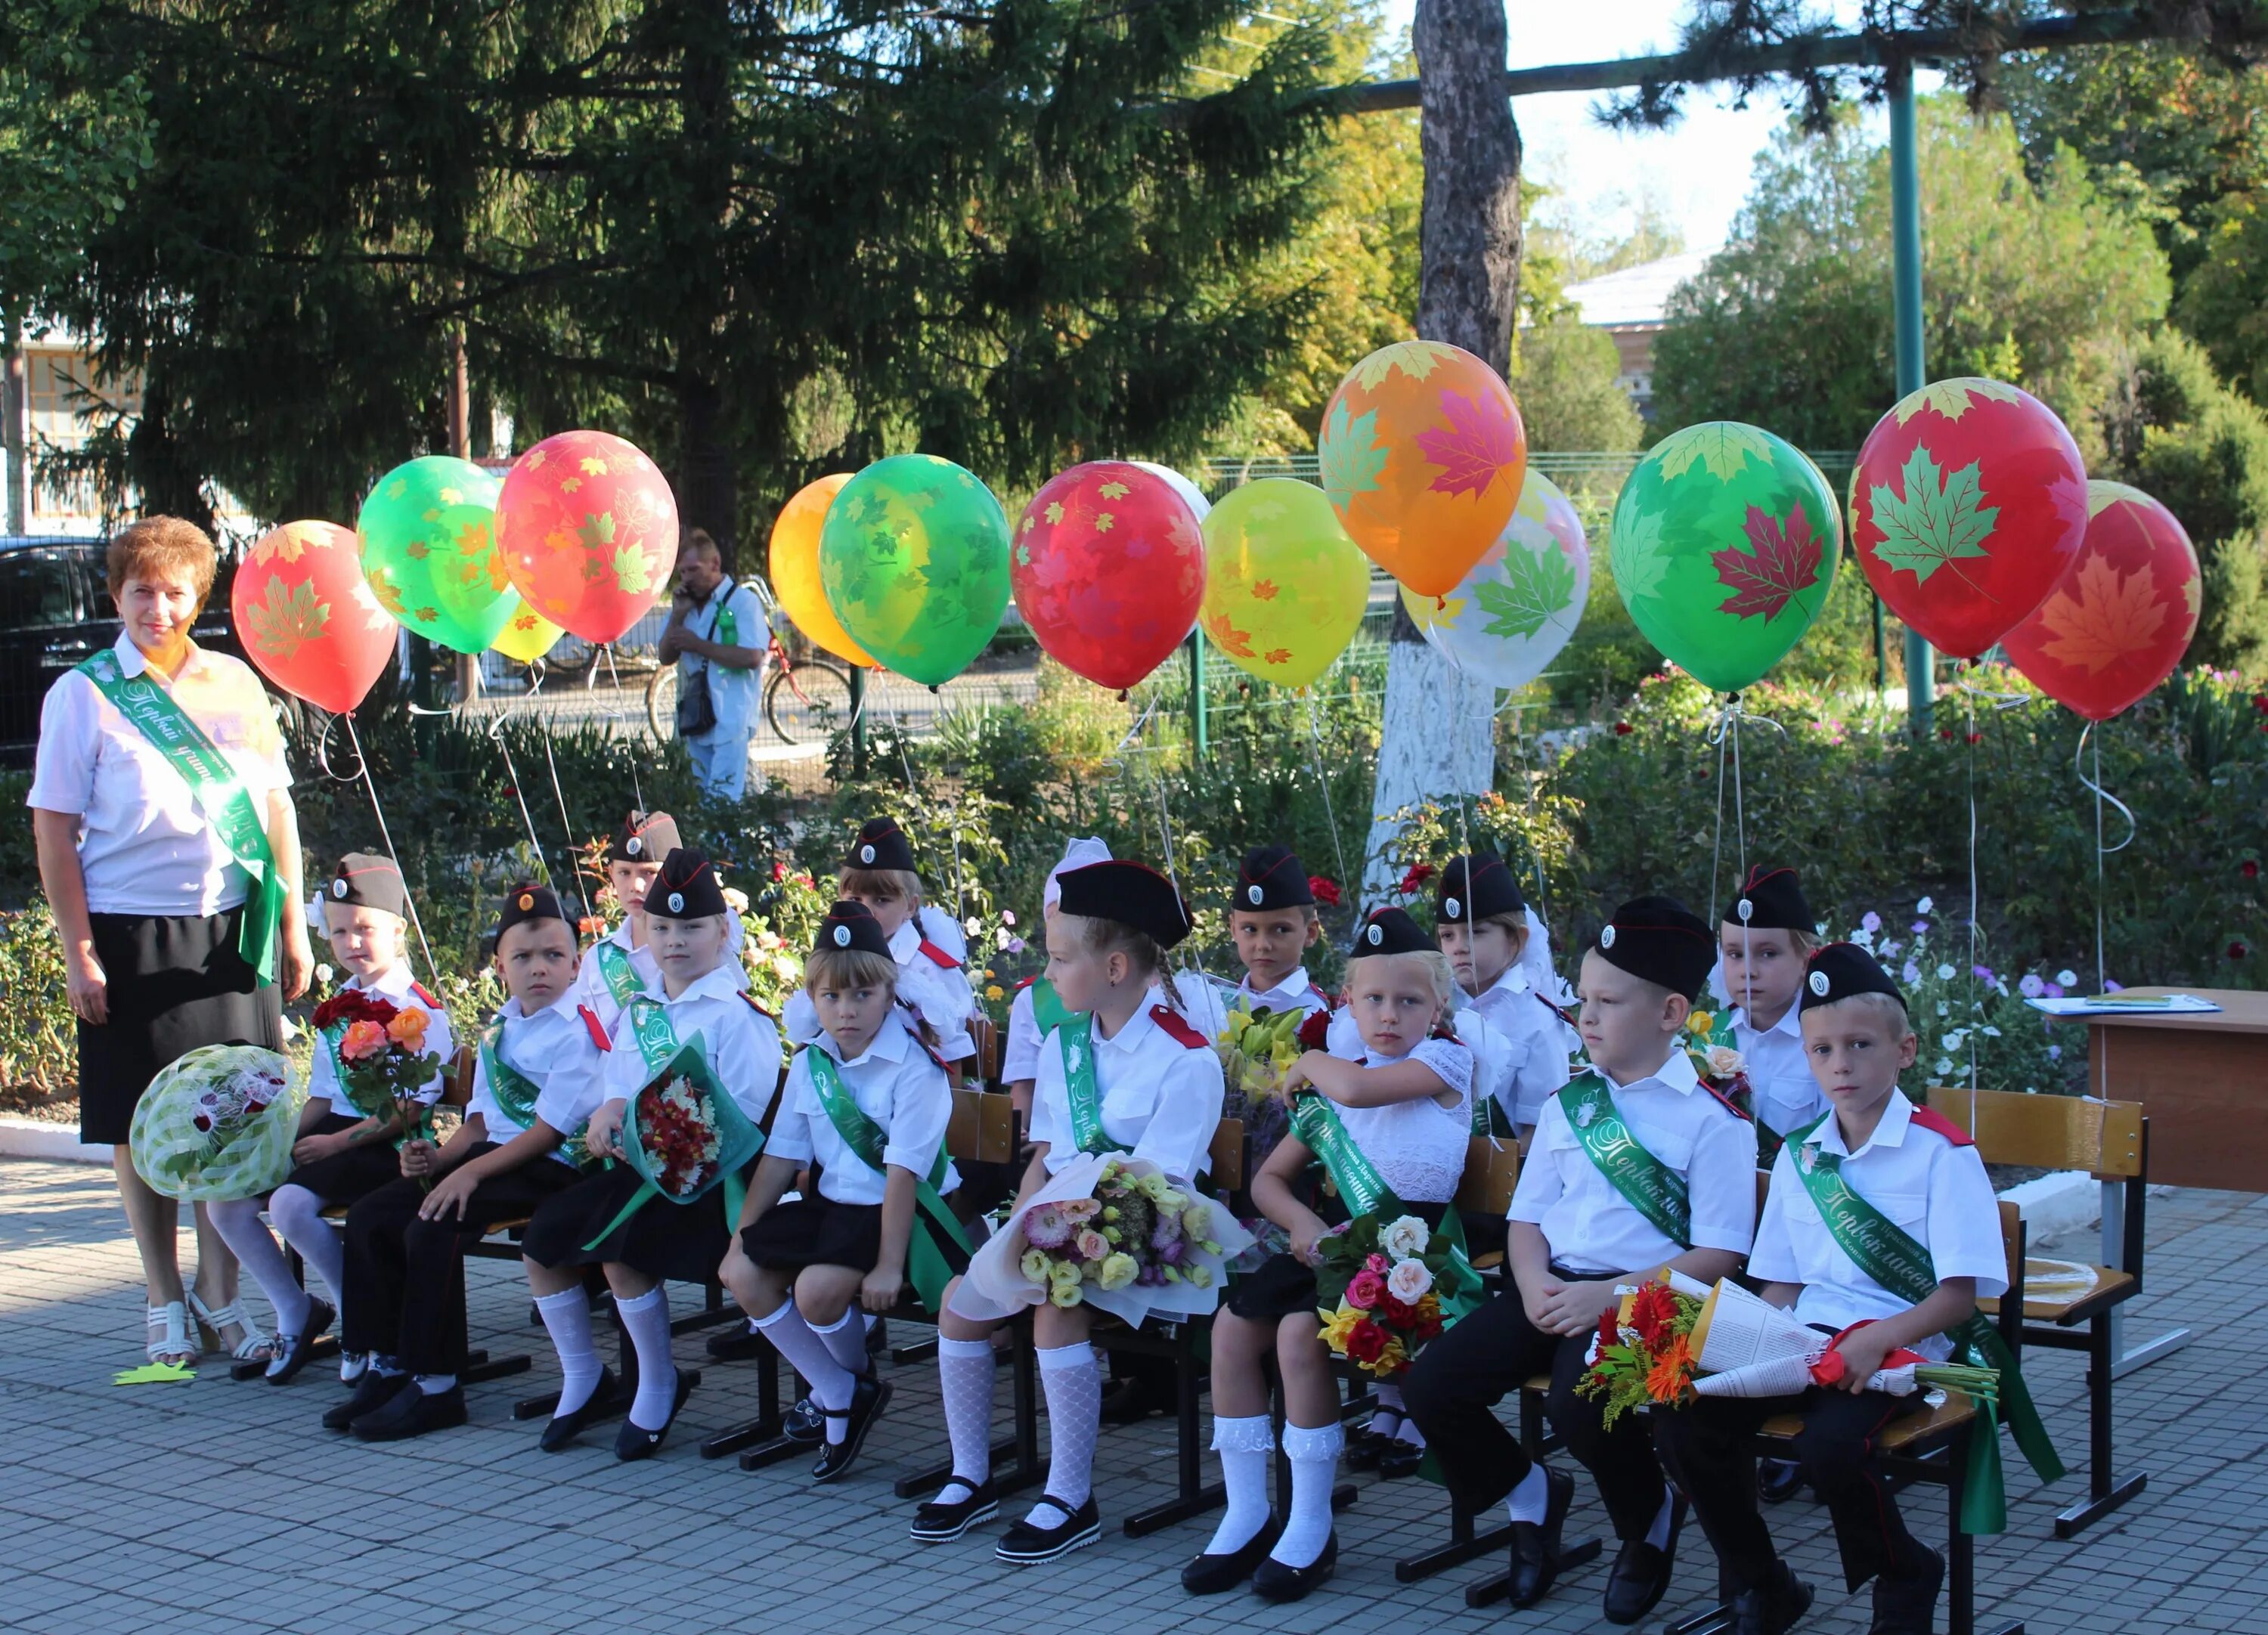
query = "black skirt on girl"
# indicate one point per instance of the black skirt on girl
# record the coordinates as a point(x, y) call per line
point(346, 1177)
point(685, 1241)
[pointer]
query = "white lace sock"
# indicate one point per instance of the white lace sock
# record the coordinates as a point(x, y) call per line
point(434, 1384)
point(1243, 1446)
point(298, 1215)
point(646, 1319)
point(1531, 1496)
point(1658, 1534)
point(1072, 1379)
point(807, 1353)
point(1314, 1456)
point(846, 1341)
point(567, 1319)
point(256, 1250)
point(964, 1375)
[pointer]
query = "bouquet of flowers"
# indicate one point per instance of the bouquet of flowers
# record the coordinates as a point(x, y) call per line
point(218, 1124)
point(383, 1064)
point(1256, 1048)
point(682, 1132)
point(1644, 1351)
point(1386, 1288)
point(1716, 1060)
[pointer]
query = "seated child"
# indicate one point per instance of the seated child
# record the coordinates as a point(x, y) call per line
point(1634, 1163)
point(406, 1241)
point(1126, 1074)
point(868, 1105)
point(879, 873)
point(1037, 1011)
point(343, 1151)
point(1502, 957)
point(1403, 1109)
point(698, 992)
point(1272, 919)
point(1763, 943)
point(620, 965)
point(1881, 1164)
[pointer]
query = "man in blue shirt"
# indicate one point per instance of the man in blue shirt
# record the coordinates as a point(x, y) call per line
point(716, 634)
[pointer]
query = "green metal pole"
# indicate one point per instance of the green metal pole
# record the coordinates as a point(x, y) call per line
point(857, 721)
point(1199, 735)
point(1905, 252)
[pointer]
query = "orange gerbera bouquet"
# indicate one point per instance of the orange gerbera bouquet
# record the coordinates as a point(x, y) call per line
point(1643, 1350)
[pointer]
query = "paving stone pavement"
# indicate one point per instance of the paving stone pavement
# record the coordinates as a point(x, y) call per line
point(219, 1506)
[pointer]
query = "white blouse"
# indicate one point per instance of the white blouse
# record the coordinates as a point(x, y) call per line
point(896, 1084)
point(1418, 1146)
point(1160, 1097)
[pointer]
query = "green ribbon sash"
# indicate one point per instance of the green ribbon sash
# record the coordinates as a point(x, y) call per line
point(927, 1267)
point(1883, 1250)
point(516, 1093)
point(218, 791)
point(1768, 1139)
point(1049, 1011)
point(1646, 1184)
point(657, 1042)
point(619, 973)
point(1361, 1187)
point(1076, 1039)
point(331, 1038)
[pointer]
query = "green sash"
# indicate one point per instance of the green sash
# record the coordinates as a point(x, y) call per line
point(618, 972)
point(657, 1042)
point(1361, 1187)
point(927, 1267)
point(516, 1092)
point(219, 794)
point(1048, 1009)
point(1647, 1184)
point(1888, 1254)
point(1076, 1038)
point(1768, 1139)
point(331, 1037)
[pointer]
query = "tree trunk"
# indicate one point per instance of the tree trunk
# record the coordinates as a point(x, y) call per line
point(1439, 727)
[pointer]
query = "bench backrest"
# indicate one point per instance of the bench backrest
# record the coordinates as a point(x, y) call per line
point(1227, 1172)
point(1491, 1172)
point(457, 1088)
point(982, 1127)
point(2048, 1131)
point(991, 1044)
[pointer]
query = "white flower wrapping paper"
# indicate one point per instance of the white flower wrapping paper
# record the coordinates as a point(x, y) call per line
point(995, 1287)
point(1750, 1347)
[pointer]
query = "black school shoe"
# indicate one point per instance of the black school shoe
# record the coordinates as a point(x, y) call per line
point(1272, 1580)
point(1027, 1544)
point(1210, 1575)
point(372, 1392)
point(561, 1430)
point(1536, 1544)
point(736, 1345)
point(635, 1441)
point(291, 1349)
point(1364, 1446)
point(941, 1521)
point(868, 1397)
point(1130, 1401)
point(1400, 1458)
point(1779, 1480)
point(411, 1413)
point(804, 1422)
point(1641, 1573)
point(1905, 1606)
point(1774, 1607)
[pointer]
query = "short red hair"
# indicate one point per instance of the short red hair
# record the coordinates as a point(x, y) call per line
point(160, 545)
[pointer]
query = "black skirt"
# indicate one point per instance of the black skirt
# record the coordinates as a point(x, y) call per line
point(812, 1231)
point(354, 1174)
point(176, 982)
point(1283, 1285)
point(686, 1241)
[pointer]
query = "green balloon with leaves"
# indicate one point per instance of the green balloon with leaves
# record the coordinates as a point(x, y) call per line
point(913, 558)
point(429, 551)
point(1723, 548)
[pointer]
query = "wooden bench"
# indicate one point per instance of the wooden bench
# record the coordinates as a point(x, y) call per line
point(2112, 1141)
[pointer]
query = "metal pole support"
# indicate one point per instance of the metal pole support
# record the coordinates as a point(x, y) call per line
point(1905, 250)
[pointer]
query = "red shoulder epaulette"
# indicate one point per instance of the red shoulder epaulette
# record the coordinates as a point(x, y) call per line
point(939, 956)
point(1554, 1009)
point(419, 988)
point(1028, 982)
point(1938, 1123)
point(1172, 1025)
point(1726, 1102)
point(751, 1001)
point(592, 1026)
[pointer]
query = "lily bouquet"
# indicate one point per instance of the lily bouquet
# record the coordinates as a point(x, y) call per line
point(1257, 1048)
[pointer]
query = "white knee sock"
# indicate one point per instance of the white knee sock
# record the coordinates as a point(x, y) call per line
point(1531, 1496)
point(1243, 1446)
point(964, 1375)
point(1072, 1380)
point(808, 1354)
point(567, 1319)
point(256, 1250)
point(846, 1341)
point(298, 1215)
point(1314, 1456)
point(646, 1319)
point(1658, 1534)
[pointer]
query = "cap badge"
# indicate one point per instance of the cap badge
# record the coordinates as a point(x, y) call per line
point(339, 886)
point(677, 902)
point(527, 900)
point(1253, 894)
point(1377, 935)
point(1819, 983)
point(842, 936)
point(1606, 936)
point(1451, 907)
point(634, 846)
point(865, 854)
point(1746, 910)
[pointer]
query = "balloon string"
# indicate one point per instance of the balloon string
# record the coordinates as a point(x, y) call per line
point(566, 825)
point(408, 897)
point(615, 715)
point(503, 746)
point(1716, 844)
point(1330, 813)
point(2101, 795)
point(1969, 1032)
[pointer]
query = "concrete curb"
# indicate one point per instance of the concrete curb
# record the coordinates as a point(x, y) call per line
point(28, 1138)
point(2052, 1205)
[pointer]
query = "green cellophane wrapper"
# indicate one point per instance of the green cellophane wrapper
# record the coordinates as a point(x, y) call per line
point(218, 1123)
point(733, 1136)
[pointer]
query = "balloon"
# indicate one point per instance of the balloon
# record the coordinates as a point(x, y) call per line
point(914, 559)
point(587, 529)
point(795, 569)
point(307, 617)
point(1108, 570)
point(429, 551)
point(1507, 620)
point(1284, 587)
point(1189, 491)
point(526, 636)
point(2120, 618)
point(1967, 503)
point(1724, 545)
point(1422, 454)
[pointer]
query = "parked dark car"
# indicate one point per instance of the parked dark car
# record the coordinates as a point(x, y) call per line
point(55, 611)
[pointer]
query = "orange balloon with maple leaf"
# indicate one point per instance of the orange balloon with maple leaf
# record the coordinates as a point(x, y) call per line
point(307, 617)
point(587, 529)
point(1423, 455)
point(2122, 615)
point(1109, 569)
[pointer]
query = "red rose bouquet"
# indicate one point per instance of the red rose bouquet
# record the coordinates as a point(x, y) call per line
point(379, 1048)
point(1386, 1288)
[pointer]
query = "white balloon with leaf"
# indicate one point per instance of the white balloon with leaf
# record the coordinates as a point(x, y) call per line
point(1512, 614)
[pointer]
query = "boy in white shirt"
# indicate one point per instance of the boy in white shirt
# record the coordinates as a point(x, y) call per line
point(1764, 938)
point(1502, 956)
point(620, 966)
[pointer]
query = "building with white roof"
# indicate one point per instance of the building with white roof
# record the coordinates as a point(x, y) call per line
point(1629, 305)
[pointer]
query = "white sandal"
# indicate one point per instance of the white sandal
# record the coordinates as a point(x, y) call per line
point(253, 1347)
point(169, 1334)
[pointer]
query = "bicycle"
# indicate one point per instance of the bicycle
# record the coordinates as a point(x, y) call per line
point(805, 699)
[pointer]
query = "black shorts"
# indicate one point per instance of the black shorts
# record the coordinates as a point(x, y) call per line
point(345, 1177)
point(812, 1231)
point(686, 1241)
point(1283, 1285)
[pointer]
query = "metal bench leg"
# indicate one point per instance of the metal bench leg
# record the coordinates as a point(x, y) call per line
point(2105, 1491)
point(1192, 1497)
point(765, 1427)
point(1712, 1622)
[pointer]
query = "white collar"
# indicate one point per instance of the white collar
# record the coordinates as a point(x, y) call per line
point(1296, 985)
point(1138, 1026)
point(621, 935)
point(1513, 979)
point(888, 1042)
point(1676, 1074)
point(513, 1011)
point(717, 983)
point(1791, 1023)
point(1897, 1118)
point(906, 941)
point(397, 981)
point(132, 661)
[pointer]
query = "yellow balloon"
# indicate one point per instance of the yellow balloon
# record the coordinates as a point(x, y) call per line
point(1285, 586)
point(795, 569)
point(526, 636)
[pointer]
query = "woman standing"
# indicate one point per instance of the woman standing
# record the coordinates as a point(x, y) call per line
point(170, 855)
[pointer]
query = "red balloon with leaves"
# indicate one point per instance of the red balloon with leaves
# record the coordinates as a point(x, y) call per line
point(1968, 502)
point(587, 529)
point(307, 617)
point(1108, 570)
point(2122, 615)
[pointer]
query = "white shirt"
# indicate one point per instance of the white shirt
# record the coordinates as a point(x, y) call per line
point(1296, 992)
point(740, 1043)
point(1936, 1191)
point(1537, 1046)
point(1590, 1226)
point(396, 984)
point(1162, 1099)
point(1020, 1059)
point(1417, 1146)
point(552, 1049)
point(591, 978)
point(939, 994)
point(144, 845)
point(897, 1084)
point(1787, 1096)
